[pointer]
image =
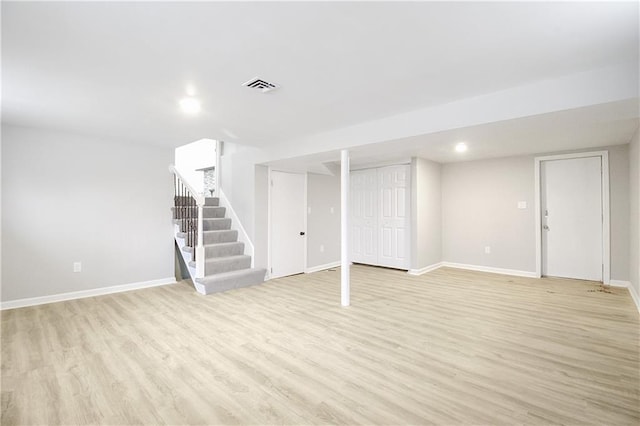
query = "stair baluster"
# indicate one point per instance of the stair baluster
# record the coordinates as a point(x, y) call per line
point(187, 210)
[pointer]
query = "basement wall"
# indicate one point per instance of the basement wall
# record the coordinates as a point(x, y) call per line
point(426, 213)
point(70, 198)
point(261, 219)
point(479, 209)
point(237, 180)
point(634, 217)
point(323, 224)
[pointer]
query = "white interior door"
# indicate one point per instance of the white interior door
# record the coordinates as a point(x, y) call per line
point(393, 216)
point(571, 210)
point(364, 216)
point(287, 224)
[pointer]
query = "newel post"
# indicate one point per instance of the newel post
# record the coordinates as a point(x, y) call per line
point(200, 258)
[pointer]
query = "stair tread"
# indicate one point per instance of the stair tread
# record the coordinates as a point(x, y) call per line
point(205, 218)
point(231, 274)
point(229, 243)
point(210, 231)
point(226, 258)
point(204, 207)
point(222, 244)
point(226, 243)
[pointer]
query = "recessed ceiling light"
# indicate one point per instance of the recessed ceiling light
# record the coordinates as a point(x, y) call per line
point(190, 105)
point(461, 147)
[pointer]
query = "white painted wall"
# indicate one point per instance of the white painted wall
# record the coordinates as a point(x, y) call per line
point(323, 219)
point(261, 217)
point(72, 198)
point(237, 180)
point(193, 156)
point(426, 213)
point(619, 203)
point(480, 209)
point(634, 217)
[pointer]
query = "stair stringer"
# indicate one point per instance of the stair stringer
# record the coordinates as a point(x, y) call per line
point(186, 256)
point(237, 224)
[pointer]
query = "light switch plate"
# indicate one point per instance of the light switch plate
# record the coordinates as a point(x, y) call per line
point(522, 204)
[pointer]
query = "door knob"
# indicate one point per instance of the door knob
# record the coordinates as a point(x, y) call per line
point(301, 233)
point(545, 227)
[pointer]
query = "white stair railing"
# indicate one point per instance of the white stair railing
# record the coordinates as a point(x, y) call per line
point(188, 211)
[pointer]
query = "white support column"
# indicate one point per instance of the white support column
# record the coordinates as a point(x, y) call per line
point(345, 290)
point(200, 261)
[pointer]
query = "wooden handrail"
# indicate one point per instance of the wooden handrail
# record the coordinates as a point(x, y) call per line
point(196, 195)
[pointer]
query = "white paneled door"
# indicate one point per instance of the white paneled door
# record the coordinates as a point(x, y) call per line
point(287, 224)
point(571, 210)
point(393, 217)
point(380, 216)
point(364, 219)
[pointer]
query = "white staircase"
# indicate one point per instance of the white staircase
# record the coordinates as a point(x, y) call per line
point(215, 258)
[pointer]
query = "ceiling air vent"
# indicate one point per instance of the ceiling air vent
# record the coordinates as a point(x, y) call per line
point(260, 84)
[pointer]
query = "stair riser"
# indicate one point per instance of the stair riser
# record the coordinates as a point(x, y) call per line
point(209, 224)
point(209, 202)
point(213, 212)
point(216, 224)
point(229, 236)
point(219, 267)
point(249, 279)
point(226, 250)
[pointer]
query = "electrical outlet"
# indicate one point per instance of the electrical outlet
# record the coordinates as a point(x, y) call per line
point(522, 204)
point(487, 249)
point(321, 248)
point(77, 266)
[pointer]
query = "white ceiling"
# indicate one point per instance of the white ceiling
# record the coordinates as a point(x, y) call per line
point(602, 125)
point(117, 70)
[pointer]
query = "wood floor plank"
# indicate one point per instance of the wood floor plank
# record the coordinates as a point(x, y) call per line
point(448, 347)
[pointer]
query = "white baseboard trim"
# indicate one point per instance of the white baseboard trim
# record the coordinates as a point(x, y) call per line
point(425, 269)
point(632, 290)
point(490, 269)
point(634, 295)
point(33, 301)
point(200, 288)
point(619, 283)
point(322, 267)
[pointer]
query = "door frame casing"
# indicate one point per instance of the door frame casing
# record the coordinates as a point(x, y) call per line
point(606, 239)
point(269, 206)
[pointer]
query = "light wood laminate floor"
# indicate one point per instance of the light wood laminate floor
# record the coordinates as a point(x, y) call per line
point(449, 347)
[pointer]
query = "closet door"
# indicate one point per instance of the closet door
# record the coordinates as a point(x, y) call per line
point(393, 216)
point(364, 216)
